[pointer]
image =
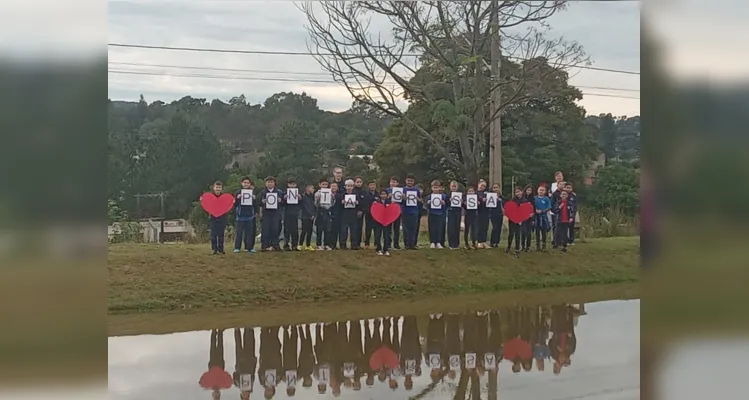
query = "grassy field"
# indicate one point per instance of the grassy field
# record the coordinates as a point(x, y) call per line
point(156, 278)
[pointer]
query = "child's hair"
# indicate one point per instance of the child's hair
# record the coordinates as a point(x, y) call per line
point(291, 180)
point(394, 178)
point(436, 183)
point(372, 181)
point(518, 188)
point(359, 177)
point(322, 180)
point(471, 187)
point(384, 191)
point(528, 186)
point(270, 179)
point(348, 182)
point(567, 184)
point(410, 176)
point(309, 185)
point(482, 181)
point(246, 178)
point(218, 183)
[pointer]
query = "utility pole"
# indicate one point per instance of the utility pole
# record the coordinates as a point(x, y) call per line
point(495, 130)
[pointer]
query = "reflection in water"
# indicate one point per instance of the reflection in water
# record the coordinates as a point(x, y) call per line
point(460, 355)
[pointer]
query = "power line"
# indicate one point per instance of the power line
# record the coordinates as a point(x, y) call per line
point(269, 79)
point(319, 74)
point(305, 53)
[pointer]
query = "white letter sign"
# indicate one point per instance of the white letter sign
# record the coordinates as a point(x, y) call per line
point(291, 378)
point(470, 360)
point(292, 196)
point(456, 199)
point(411, 197)
point(326, 197)
point(434, 361)
point(271, 201)
point(348, 370)
point(246, 381)
point(245, 197)
point(490, 362)
point(270, 378)
point(492, 200)
point(410, 367)
point(435, 201)
point(455, 362)
point(349, 201)
point(324, 375)
point(472, 201)
point(397, 195)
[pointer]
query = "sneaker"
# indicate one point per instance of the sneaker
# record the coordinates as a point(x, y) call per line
point(432, 246)
point(516, 254)
point(221, 252)
point(320, 248)
point(507, 250)
point(387, 253)
point(328, 248)
point(379, 253)
point(299, 248)
point(236, 250)
point(214, 252)
point(269, 249)
point(564, 249)
point(439, 246)
point(366, 247)
point(286, 248)
point(251, 251)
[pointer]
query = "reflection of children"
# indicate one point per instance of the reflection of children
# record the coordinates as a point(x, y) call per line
point(453, 220)
point(271, 222)
point(290, 346)
point(307, 214)
point(290, 219)
point(324, 223)
point(218, 224)
point(216, 378)
point(270, 360)
point(436, 221)
point(382, 232)
point(541, 218)
point(306, 355)
point(496, 216)
point(245, 228)
point(515, 229)
point(469, 222)
point(246, 361)
point(563, 341)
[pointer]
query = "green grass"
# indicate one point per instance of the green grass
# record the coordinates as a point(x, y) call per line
point(154, 278)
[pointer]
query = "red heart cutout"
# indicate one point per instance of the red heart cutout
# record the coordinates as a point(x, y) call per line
point(518, 213)
point(517, 348)
point(217, 205)
point(384, 356)
point(385, 215)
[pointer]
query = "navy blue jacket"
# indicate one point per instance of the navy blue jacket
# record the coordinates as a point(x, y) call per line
point(243, 213)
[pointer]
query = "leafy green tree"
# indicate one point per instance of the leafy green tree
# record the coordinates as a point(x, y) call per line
point(616, 186)
point(294, 151)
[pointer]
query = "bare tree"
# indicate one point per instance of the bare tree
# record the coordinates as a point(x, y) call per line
point(439, 56)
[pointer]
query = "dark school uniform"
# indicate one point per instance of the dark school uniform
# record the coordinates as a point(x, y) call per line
point(368, 197)
point(436, 218)
point(469, 220)
point(541, 219)
point(526, 228)
point(572, 197)
point(246, 359)
point(395, 227)
point(565, 211)
point(515, 229)
point(454, 214)
point(245, 225)
point(307, 215)
point(496, 216)
point(271, 223)
point(335, 220)
point(356, 234)
point(482, 218)
point(349, 217)
point(291, 214)
point(410, 215)
point(218, 228)
point(382, 232)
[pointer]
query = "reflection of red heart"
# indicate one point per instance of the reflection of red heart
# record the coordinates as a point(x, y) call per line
point(385, 215)
point(217, 205)
point(383, 357)
point(518, 213)
point(215, 378)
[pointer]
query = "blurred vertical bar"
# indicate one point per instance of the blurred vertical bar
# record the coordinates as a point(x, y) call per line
point(53, 153)
point(695, 73)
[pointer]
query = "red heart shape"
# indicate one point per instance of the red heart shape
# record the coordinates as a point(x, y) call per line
point(385, 215)
point(215, 378)
point(517, 349)
point(384, 356)
point(518, 213)
point(217, 205)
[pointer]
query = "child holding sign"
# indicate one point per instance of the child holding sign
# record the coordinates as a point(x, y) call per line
point(496, 215)
point(436, 210)
point(382, 232)
point(395, 193)
point(541, 218)
point(270, 198)
point(350, 213)
point(324, 201)
point(307, 215)
point(471, 205)
point(454, 214)
point(291, 216)
point(482, 217)
point(218, 224)
point(412, 202)
point(565, 211)
point(335, 215)
point(245, 212)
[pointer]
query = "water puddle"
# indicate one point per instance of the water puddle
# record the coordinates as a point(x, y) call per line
point(558, 351)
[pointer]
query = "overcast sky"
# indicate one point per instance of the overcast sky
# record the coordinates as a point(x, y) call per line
point(609, 32)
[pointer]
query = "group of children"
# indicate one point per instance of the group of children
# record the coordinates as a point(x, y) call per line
point(340, 213)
